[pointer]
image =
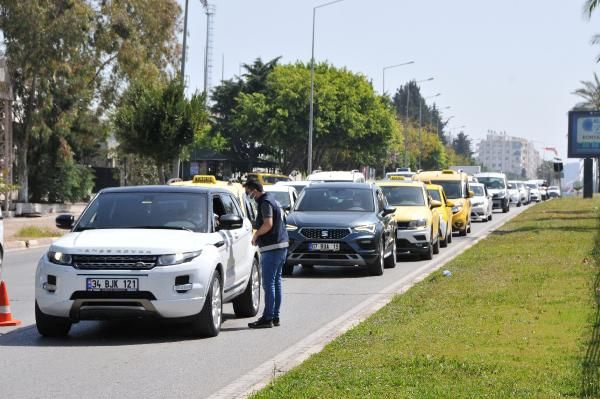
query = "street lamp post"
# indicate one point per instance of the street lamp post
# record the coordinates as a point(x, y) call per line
point(390, 67)
point(453, 128)
point(406, 124)
point(421, 125)
point(312, 86)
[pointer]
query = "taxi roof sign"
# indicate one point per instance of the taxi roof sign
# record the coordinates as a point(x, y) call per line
point(204, 179)
point(396, 177)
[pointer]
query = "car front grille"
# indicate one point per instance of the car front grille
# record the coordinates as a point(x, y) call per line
point(324, 233)
point(114, 262)
point(403, 225)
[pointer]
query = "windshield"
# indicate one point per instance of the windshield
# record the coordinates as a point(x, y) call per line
point(435, 194)
point(404, 196)
point(477, 190)
point(452, 188)
point(167, 210)
point(532, 185)
point(336, 200)
point(494, 183)
point(511, 186)
point(275, 179)
point(282, 197)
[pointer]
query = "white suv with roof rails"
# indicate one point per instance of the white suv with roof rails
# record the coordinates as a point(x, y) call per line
point(172, 252)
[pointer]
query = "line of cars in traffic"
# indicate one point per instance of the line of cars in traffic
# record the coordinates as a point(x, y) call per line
point(180, 251)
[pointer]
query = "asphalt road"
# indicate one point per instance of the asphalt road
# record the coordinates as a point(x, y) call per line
point(149, 359)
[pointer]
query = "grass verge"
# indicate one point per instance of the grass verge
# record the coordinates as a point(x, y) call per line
point(38, 232)
point(518, 318)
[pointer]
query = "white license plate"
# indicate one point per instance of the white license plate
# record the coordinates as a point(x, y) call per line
point(324, 246)
point(112, 284)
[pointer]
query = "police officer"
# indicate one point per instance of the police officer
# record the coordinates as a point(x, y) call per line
point(272, 240)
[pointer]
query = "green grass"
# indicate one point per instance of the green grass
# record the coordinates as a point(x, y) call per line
point(37, 232)
point(518, 318)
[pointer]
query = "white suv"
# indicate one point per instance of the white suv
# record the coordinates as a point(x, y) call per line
point(168, 251)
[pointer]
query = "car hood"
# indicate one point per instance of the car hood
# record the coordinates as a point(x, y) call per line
point(408, 213)
point(333, 219)
point(133, 241)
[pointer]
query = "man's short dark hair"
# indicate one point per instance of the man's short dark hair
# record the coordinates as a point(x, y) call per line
point(252, 184)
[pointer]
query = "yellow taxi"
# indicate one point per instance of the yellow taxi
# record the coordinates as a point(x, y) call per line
point(436, 192)
point(418, 227)
point(456, 187)
point(267, 178)
point(248, 206)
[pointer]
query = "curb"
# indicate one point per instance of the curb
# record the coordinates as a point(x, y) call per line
point(12, 245)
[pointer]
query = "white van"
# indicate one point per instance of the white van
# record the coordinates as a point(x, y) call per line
point(497, 186)
point(337, 176)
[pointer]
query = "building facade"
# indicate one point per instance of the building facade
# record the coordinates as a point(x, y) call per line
point(515, 155)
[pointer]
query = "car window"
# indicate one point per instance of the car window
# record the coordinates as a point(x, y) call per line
point(494, 183)
point(381, 201)
point(282, 197)
point(434, 194)
point(250, 208)
point(336, 200)
point(478, 190)
point(404, 195)
point(146, 210)
point(229, 205)
point(452, 188)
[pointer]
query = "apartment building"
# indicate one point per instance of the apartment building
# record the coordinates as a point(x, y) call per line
point(503, 153)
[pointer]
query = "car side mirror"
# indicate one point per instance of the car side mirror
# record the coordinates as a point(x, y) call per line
point(388, 210)
point(230, 222)
point(435, 204)
point(471, 194)
point(449, 204)
point(65, 222)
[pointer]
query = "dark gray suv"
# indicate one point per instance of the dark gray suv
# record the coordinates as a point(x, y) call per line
point(342, 224)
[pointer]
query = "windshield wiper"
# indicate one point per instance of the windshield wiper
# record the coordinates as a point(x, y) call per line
point(158, 228)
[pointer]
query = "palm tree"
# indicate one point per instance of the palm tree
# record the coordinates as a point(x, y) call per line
point(590, 6)
point(590, 91)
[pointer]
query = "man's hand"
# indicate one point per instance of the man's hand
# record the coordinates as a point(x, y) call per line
point(254, 239)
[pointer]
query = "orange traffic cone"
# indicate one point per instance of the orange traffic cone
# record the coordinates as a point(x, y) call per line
point(6, 319)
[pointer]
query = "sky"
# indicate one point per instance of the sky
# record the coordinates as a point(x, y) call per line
point(509, 66)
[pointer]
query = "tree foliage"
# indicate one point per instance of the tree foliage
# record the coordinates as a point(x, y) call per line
point(265, 114)
point(155, 120)
point(69, 61)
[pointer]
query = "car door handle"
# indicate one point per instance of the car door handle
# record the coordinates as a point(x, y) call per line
point(219, 244)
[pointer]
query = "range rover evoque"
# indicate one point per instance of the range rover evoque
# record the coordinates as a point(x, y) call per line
point(342, 224)
point(168, 251)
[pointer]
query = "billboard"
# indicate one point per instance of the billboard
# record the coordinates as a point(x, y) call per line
point(584, 134)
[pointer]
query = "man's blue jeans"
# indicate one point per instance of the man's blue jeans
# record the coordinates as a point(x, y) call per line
point(272, 264)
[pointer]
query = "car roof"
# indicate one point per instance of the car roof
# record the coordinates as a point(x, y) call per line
point(399, 183)
point(162, 189)
point(440, 175)
point(349, 184)
point(278, 188)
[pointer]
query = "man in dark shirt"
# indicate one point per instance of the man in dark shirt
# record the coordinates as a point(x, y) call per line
point(272, 240)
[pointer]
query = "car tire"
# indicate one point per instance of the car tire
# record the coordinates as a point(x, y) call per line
point(469, 227)
point(51, 326)
point(308, 267)
point(390, 261)
point(462, 232)
point(436, 246)
point(376, 267)
point(207, 323)
point(288, 269)
point(444, 242)
point(490, 217)
point(246, 305)
point(449, 236)
point(429, 254)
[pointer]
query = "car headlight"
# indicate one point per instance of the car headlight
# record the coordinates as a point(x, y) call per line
point(367, 227)
point(60, 258)
point(417, 223)
point(475, 203)
point(456, 208)
point(176, 259)
point(291, 227)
